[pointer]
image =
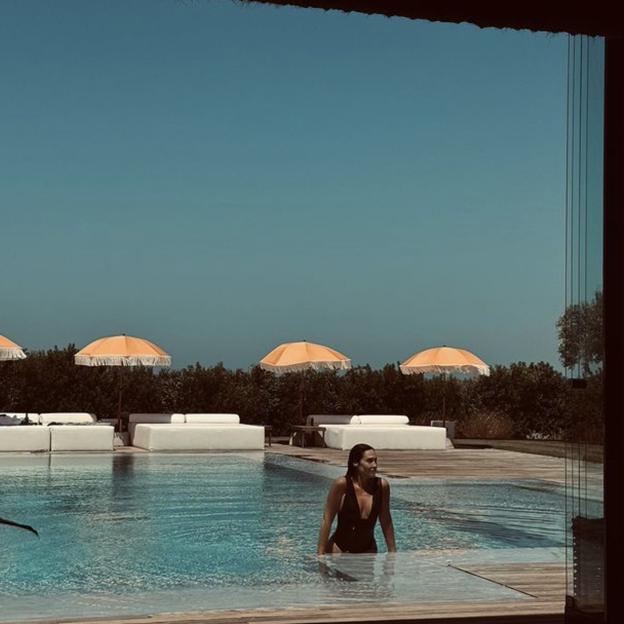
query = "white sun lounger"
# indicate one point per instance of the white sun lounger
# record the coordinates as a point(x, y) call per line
point(389, 432)
point(76, 431)
point(199, 432)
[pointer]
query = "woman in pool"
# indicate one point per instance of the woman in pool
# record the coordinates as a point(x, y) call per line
point(359, 498)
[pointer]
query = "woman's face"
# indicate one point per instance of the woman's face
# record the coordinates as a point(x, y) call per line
point(367, 466)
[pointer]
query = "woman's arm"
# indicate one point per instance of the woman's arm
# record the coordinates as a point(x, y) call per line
point(385, 519)
point(332, 505)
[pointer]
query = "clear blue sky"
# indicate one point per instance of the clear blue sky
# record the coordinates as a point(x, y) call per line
point(221, 178)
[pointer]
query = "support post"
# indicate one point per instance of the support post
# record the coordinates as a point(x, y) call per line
point(614, 317)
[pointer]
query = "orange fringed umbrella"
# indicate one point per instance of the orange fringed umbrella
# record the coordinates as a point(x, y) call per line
point(122, 351)
point(444, 360)
point(300, 356)
point(292, 357)
point(9, 350)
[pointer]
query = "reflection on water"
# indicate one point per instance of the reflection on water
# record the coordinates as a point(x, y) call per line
point(374, 574)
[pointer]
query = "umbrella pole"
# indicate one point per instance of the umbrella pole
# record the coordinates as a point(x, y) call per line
point(119, 412)
point(444, 400)
point(119, 402)
point(301, 396)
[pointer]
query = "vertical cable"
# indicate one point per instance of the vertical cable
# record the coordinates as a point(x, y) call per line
point(573, 244)
point(578, 133)
point(572, 121)
point(578, 197)
point(567, 184)
point(587, 74)
point(586, 223)
point(568, 463)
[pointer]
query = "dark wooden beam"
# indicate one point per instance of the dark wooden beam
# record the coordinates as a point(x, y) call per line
point(614, 324)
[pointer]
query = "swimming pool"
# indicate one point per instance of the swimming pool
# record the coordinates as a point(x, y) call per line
point(139, 533)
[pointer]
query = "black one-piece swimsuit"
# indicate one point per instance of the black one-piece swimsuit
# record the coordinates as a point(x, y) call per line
point(355, 534)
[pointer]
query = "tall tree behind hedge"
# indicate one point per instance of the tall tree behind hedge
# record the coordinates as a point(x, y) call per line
point(581, 336)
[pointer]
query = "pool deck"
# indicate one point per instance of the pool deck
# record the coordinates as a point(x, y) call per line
point(452, 463)
point(546, 608)
point(541, 584)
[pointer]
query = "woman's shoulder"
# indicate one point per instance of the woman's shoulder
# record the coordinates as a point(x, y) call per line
point(340, 483)
point(383, 483)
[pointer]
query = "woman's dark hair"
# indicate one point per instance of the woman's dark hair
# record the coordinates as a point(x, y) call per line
point(355, 454)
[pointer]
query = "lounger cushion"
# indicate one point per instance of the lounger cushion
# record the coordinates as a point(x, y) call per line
point(81, 438)
point(212, 419)
point(135, 419)
point(198, 437)
point(378, 419)
point(16, 418)
point(156, 418)
point(67, 418)
point(24, 439)
point(394, 437)
point(329, 419)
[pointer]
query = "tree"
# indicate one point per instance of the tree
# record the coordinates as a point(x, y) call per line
point(581, 337)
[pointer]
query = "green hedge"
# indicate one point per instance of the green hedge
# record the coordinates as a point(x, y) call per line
point(529, 400)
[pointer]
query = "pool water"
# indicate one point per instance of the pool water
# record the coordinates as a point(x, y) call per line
point(126, 534)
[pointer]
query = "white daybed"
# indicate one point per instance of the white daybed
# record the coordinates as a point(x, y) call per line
point(198, 432)
point(73, 431)
point(390, 432)
point(77, 431)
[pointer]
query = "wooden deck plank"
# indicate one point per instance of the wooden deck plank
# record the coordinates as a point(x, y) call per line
point(544, 581)
point(371, 612)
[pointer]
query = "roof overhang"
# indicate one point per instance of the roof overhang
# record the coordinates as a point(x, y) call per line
point(599, 18)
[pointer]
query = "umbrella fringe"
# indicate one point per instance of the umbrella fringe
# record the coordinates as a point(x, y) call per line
point(295, 368)
point(469, 369)
point(11, 354)
point(123, 360)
